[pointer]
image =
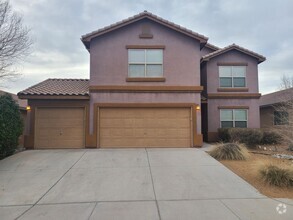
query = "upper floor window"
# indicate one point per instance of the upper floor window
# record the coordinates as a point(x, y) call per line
point(281, 118)
point(232, 76)
point(145, 62)
point(233, 118)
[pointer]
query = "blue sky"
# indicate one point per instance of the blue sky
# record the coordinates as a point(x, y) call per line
point(56, 27)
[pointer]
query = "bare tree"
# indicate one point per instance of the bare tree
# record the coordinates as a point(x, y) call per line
point(283, 110)
point(286, 82)
point(15, 42)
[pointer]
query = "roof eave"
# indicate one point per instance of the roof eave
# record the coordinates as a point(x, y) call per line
point(50, 97)
point(88, 37)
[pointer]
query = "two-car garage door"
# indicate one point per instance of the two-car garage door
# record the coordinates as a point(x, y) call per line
point(144, 127)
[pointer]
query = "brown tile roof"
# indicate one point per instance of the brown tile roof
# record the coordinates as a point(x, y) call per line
point(60, 87)
point(276, 97)
point(145, 14)
point(21, 102)
point(234, 47)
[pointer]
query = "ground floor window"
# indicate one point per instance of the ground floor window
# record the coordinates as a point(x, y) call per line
point(233, 118)
point(281, 118)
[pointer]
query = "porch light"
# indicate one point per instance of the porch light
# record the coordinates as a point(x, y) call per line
point(28, 108)
point(197, 107)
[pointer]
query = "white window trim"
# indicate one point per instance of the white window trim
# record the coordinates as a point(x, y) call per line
point(232, 77)
point(145, 63)
point(233, 116)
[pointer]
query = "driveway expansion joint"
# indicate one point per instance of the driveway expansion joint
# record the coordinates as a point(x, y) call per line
point(157, 205)
point(51, 186)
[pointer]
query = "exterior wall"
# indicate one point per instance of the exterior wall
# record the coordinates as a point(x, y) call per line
point(232, 57)
point(214, 114)
point(210, 76)
point(109, 66)
point(109, 56)
point(214, 111)
point(204, 51)
point(267, 117)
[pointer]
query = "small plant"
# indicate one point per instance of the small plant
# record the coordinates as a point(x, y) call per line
point(277, 176)
point(290, 148)
point(229, 151)
point(271, 137)
point(224, 134)
point(248, 136)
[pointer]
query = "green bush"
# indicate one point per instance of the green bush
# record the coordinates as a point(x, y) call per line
point(11, 125)
point(248, 136)
point(277, 176)
point(271, 137)
point(224, 134)
point(229, 151)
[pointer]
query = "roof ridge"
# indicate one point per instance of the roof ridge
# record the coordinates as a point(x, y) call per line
point(279, 91)
point(260, 57)
point(142, 15)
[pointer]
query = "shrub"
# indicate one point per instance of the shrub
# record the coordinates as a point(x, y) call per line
point(224, 134)
point(277, 176)
point(11, 125)
point(248, 136)
point(290, 148)
point(271, 137)
point(229, 151)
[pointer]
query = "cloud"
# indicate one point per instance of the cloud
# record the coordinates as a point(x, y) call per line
point(262, 26)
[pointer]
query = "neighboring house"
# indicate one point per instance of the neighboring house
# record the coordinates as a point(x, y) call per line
point(22, 103)
point(276, 109)
point(152, 84)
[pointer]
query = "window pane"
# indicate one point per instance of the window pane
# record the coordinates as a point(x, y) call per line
point(136, 70)
point(240, 124)
point(225, 82)
point(154, 70)
point(226, 124)
point(239, 82)
point(240, 115)
point(239, 71)
point(154, 56)
point(136, 56)
point(225, 71)
point(226, 115)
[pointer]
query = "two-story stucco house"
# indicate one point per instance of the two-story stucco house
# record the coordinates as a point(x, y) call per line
point(152, 84)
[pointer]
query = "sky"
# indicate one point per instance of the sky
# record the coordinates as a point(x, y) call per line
point(264, 26)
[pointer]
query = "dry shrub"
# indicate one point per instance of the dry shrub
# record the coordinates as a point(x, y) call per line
point(229, 151)
point(276, 175)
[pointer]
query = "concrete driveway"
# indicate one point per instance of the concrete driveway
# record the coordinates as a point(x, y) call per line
point(127, 184)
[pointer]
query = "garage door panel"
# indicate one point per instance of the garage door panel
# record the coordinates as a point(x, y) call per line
point(145, 127)
point(59, 128)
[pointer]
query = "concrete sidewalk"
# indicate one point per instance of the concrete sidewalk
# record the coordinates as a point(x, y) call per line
point(128, 184)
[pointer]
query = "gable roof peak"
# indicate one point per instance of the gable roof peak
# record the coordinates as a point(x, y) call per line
point(233, 46)
point(86, 39)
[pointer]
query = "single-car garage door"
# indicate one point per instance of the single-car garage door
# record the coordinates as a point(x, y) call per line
point(59, 128)
point(144, 127)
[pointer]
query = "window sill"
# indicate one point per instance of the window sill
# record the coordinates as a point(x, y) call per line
point(145, 79)
point(232, 89)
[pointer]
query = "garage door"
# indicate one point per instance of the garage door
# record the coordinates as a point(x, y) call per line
point(144, 127)
point(59, 128)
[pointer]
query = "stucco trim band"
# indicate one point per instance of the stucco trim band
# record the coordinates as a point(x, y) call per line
point(110, 88)
point(234, 96)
